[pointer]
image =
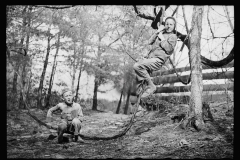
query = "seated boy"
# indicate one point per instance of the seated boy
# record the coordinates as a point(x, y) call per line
point(71, 114)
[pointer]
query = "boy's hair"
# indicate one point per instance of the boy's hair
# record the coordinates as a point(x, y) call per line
point(65, 90)
point(175, 23)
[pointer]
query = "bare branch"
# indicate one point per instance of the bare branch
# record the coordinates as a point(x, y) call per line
point(218, 37)
point(229, 21)
point(175, 11)
point(154, 10)
point(142, 15)
point(158, 18)
point(120, 36)
point(209, 22)
point(51, 7)
point(185, 19)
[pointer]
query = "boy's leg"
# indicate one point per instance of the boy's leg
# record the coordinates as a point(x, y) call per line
point(77, 127)
point(142, 70)
point(62, 128)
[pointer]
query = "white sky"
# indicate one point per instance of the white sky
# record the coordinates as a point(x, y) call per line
point(217, 17)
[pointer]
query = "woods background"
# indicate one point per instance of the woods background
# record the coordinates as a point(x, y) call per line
point(86, 49)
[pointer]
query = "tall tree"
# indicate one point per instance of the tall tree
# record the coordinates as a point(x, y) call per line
point(53, 70)
point(195, 62)
point(26, 58)
point(80, 73)
point(40, 88)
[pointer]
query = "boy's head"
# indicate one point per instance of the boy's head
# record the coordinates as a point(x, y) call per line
point(67, 96)
point(170, 24)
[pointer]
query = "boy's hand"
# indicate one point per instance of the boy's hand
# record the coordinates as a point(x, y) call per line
point(161, 36)
point(160, 28)
point(81, 119)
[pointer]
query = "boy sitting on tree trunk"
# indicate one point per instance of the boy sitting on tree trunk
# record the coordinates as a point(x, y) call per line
point(71, 114)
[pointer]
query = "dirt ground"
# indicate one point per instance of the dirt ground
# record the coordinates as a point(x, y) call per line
point(153, 135)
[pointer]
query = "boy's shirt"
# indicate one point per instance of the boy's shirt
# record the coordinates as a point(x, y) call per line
point(162, 49)
point(68, 112)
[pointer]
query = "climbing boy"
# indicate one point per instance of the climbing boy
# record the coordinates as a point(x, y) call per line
point(163, 42)
point(71, 114)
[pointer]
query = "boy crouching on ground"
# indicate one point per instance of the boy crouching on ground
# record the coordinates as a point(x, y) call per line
point(71, 114)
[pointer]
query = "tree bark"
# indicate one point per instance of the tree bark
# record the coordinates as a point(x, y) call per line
point(97, 81)
point(74, 66)
point(195, 61)
point(25, 64)
point(94, 105)
point(39, 104)
point(127, 101)
point(79, 76)
point(53, 71)
point(119, 102)
point(18, 63)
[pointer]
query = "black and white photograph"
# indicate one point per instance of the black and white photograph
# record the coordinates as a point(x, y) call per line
point(120, 81)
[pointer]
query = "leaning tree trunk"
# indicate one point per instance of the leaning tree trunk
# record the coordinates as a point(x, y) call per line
point(39, 98)
point(79, 76)
point(96, 81)
point(80, 73)
point(119, 103)
point(53, 72)
point(15, 77)
point(74, 66)
point(25, 64)
point(195, 62)
point(127, 101)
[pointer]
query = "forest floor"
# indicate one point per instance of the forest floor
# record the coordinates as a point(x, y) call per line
point(153, 135)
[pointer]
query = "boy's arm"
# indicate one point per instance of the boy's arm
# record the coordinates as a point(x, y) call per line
point(153, 38)
point(49, 113)
point(155, 35)
point(80, 114)
point(169, 44)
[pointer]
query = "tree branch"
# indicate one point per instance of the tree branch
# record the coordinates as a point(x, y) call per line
point(154, 10)
point(51, 7)
point(220, 63)
point(185, 19)
point(175, 11)
point(142, 15)
point(209, 22)
point(229, 21)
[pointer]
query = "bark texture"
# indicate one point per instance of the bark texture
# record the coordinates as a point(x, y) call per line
point(195, 61)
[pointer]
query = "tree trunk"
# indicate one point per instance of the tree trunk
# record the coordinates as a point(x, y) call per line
point(195, 61)
point(94, 106)
point(39, 104)
point(53, 72)
point(127, 102)
point(80, 72)
point(25, 64)
point(79, 76)
point(21, 43)
point(74, 66)
point(14, 84)
point(119, 102)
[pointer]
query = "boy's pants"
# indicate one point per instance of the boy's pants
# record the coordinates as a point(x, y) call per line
point(146, 66)
point(73, 126)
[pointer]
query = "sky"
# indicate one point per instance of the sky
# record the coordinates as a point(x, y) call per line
point(218, 23)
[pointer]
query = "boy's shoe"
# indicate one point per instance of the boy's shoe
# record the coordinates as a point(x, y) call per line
point(149, 91)
point(60, 137)
point(78, 138)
